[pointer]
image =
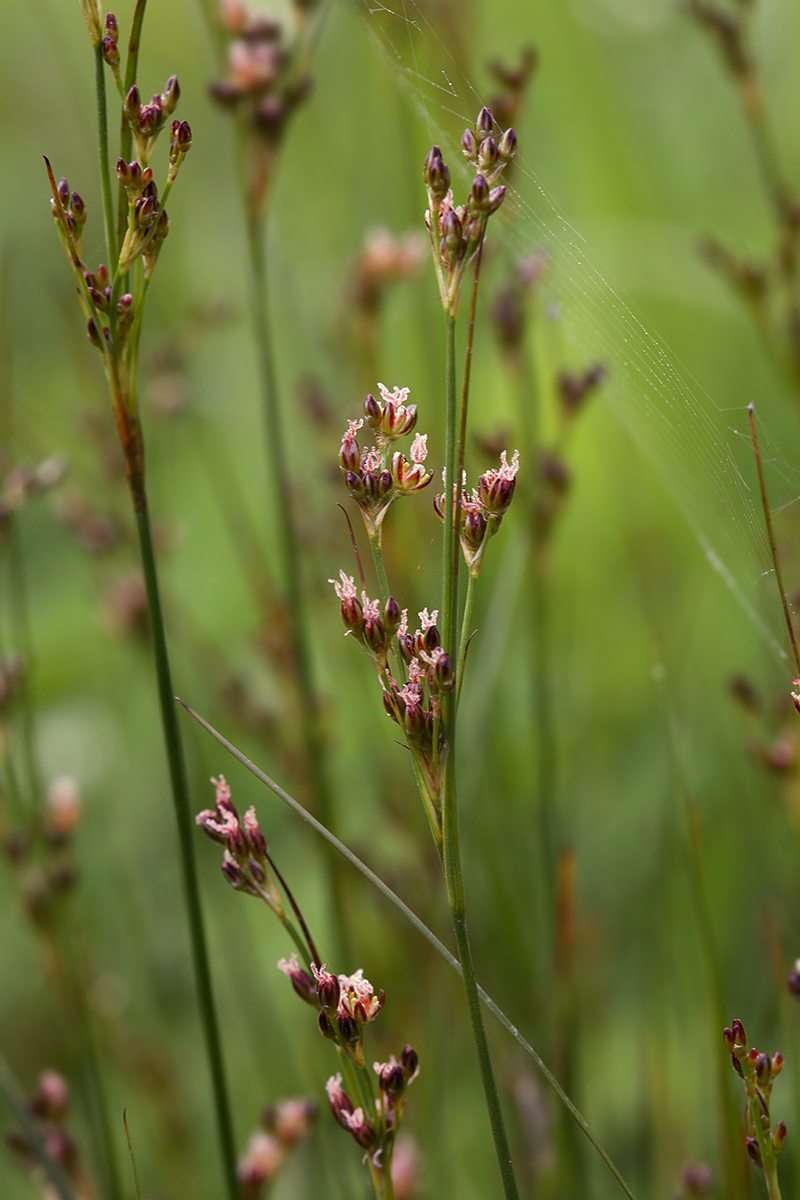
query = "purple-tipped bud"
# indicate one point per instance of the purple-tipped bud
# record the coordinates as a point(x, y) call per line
point(171, 95)
point(99, 299)
point(392, 1081)
point(234, 875)
point(355, 486)
point(325, 1027)
point(132, 105)
point(452, 233)
point(409, 1061)
point(78, 210)
point(479, 195)
point(737, 1066)
point(496, 197)
point(436, 174)
point(487, 153)
point(304, 984)
point(375, 637)
point(349, 1030)
point(762, 1069)
point(123, 172)
point(349, 454)
point(150, 117)
point(92, 333)
point(779, 1136)
point(372, 411)
point(776, 1065)
point(328, 992)
point(469, 145)
point(754, 1152)
point(63, 192)
point(507, 146)
point(183, 137)
point(473, 531)
point(442, 677)
point(389, 705)
point(484, 123)
point(102, 276)
point(252, 829)
point(111, 28)
point(135, 175)
point(110, 51)
point(391, 616)
point(431, 640)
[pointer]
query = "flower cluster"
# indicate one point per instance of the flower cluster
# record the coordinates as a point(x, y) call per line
point(482, 510)
point(49, 1110)
point(759, 1072)
point(376, 1134)
point(456, 231)
point(245, 861)
point(346, 1004)
point(374, 476)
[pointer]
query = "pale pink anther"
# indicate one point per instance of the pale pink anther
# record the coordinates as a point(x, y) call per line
point(419, 448)
point(397, 395)
point(428, 621)
point(346, 590)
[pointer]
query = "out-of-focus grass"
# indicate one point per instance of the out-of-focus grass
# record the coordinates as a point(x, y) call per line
point(634, 130)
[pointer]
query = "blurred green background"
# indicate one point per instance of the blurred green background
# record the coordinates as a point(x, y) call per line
point(632, 126)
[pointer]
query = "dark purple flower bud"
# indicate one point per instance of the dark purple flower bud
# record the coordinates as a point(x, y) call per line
point(484, 123)
point(234, 875)
point(110, 51)
point(150, 117)
point(78, 210)
point(436, 174)
point(257, 872)
point(392, 1081)
point(349, 454)
point(754, 1151)
point(737, 1066)
point(123, 172)
point(99, 299)
point(391, 616)
point(479, 196)
point(183, 137)
point(389, 705)
point(409, 1061)
point(328, 992)
point(171, 95)
point(507, 146)
point(474, 528)
point(355, 486)
point(776, 1066)
point(102, 276)
point(442, 675)
point(304, 984)
point(325, 1027)
point(762, 1069)
point(496, 197)
point(738, 1034)
point(430, 639)
point(372, 411)
point(63, 192)
point(469, 144)
point(375, 637)
point(111, 29)
point(94, 336)
point(132, 105)
point(487, 154)
point(348, 1029)
point(452, 233)
point(779, 1136)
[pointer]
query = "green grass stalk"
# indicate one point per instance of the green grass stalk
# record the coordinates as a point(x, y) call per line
point(451, 857)
point(185, 824)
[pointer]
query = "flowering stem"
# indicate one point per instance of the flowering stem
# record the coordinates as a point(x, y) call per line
point(451, 858)
point(377, 554)
point(126, 137)
point(185, 824)
point(463, 642)
point(102, 139)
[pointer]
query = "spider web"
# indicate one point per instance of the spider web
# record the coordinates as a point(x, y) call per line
point(694, 444)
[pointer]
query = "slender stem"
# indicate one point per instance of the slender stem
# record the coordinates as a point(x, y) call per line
point(183, 818)
point(421, 928)
point(451, 858)
point(463, 641)
point(377, 554)
point(102, 141)
point(773, 548)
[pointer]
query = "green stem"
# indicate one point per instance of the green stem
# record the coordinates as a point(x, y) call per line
point(377, 555)
point(185, 824)
point(102, 141)
point(451, 858)
point(422, 929)
point(463, 643)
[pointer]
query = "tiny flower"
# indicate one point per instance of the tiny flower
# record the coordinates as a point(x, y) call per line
point(328, 988)
point(496, 487)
